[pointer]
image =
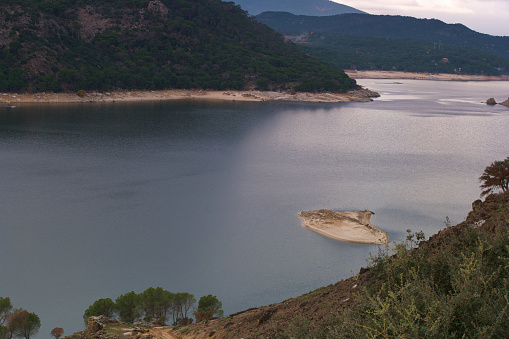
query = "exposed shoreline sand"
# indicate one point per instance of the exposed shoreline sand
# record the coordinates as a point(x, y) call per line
point(423, 76)
point(349, 226)
point(361, 95)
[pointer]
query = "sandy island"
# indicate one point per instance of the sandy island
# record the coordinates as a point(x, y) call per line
point(423, 76)
point(350, 226)
point(360, 95)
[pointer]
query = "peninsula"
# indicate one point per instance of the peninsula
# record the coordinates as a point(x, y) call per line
point(349, 226)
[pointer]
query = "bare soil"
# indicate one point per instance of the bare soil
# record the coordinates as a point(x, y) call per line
point(423, 76)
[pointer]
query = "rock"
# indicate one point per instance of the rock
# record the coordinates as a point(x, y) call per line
point(505, 103)
point(97, 324)
point(491, 101)
point(476, 204)
point(155, 322)
point(94, 325)
point(157, 6)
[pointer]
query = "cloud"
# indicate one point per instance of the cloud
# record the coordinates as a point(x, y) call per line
point(485, 16)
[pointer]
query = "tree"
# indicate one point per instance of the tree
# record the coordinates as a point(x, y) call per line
point(495, 176)
point(181, 304)
point(57, 332)
point(209, 307)
point(155, 303)
point(5, 309)
point(104, 306)
point(23, 324)
point(4, 332)
point(127, 306)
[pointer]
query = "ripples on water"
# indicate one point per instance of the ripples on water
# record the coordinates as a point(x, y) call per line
point(102, 199)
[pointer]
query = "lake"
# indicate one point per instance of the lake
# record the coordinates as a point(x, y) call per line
point(202, 197)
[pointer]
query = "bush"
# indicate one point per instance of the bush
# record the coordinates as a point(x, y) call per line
point(456, 291)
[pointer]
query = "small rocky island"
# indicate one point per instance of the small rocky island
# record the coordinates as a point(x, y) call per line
point(349, 226)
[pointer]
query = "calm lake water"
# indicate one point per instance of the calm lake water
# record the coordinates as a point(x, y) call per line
point(102, 199)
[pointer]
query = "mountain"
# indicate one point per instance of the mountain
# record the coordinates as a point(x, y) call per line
point(70, 45)
point(388, 27)
point(298, 7)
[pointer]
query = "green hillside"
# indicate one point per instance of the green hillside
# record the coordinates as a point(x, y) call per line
point(388, 26)
point(67, 45)
point(376, 42)
point(368, 53)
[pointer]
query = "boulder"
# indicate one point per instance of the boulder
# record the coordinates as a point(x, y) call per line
point(476, 204)
point(96, 324)
point(491, 101)
point(505, 103)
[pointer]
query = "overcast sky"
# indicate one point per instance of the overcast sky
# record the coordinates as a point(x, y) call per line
point(485, 16)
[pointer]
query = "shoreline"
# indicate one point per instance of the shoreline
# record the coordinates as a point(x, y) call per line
point(423, 76)
point(360, 95)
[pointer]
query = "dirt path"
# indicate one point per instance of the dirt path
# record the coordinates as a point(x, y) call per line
point(163, 333)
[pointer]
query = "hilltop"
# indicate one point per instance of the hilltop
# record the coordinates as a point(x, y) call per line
point(298, 7)
point(140, 44)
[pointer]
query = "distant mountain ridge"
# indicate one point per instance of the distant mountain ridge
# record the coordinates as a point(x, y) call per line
point(298, 7)
point(387, 26)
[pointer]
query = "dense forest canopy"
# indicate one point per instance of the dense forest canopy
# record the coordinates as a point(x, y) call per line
point(407, 55)
point(140, 44)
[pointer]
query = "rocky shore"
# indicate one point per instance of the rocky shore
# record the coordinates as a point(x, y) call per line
point(359, 95)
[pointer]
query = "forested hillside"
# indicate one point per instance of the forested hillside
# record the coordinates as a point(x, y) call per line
point(407, 55)
point(68, 45)
point(374, 42)
point(387, 26)
point(299, 7)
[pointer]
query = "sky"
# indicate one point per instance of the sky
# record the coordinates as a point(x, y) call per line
point(484, 16)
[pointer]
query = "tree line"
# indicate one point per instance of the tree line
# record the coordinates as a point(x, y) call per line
point(156, 304)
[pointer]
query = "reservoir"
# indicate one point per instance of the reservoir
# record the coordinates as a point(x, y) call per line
point(98, 200)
